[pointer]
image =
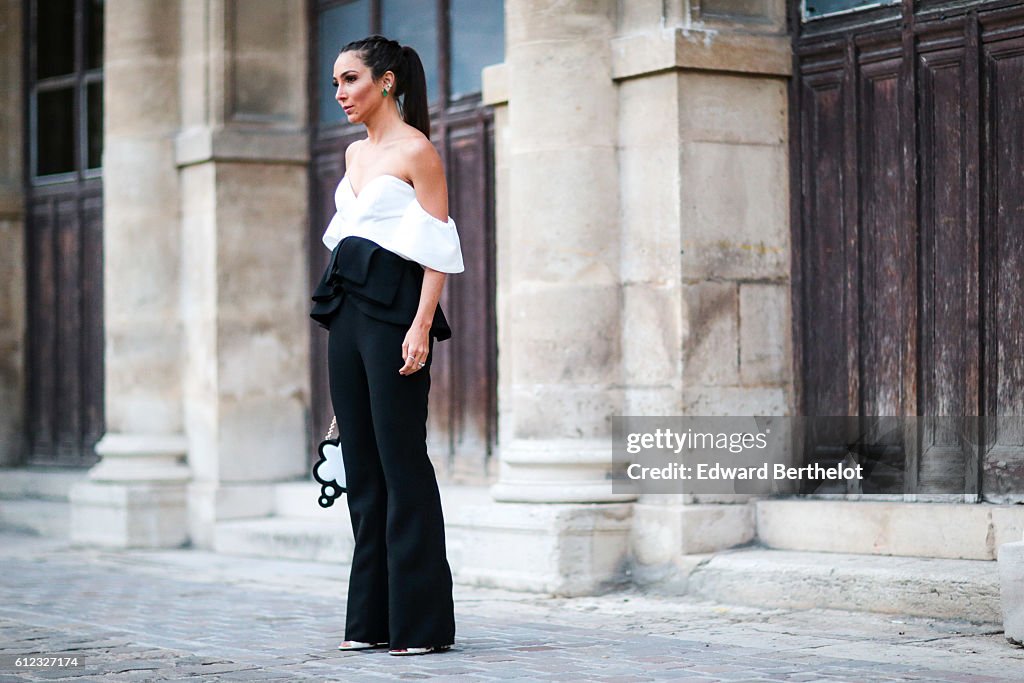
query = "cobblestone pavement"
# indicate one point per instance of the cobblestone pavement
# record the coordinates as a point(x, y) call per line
point(172, 615)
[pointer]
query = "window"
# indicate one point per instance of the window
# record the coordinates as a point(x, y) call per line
point(65, 87)
point(473, 29)
point(414, 23)
point(477, 39)
point(338, 26)
point(815, 9)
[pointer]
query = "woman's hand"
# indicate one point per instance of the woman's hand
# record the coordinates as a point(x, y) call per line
point(415, 349)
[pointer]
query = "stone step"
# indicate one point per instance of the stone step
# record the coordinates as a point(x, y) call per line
point(303, 530)
point(299, 499)
point(34, 500)
point(328, 539)
point(910, 586)
point(40, 517)
point(865, 527)
point(43, 483)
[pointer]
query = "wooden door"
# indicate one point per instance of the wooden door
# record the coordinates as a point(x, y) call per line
point(64, 236)
point(908, 233)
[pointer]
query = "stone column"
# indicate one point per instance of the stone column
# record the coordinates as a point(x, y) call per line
point(12, 236)
point(242, 156)
point(561, 315)
point(705, 244)
point(558, 310)
point(135, 496)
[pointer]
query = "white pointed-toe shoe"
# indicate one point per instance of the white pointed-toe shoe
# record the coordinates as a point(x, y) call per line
point(358, 645)
point(401, 652)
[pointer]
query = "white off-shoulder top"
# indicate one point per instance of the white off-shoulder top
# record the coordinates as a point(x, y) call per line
point(388, 213)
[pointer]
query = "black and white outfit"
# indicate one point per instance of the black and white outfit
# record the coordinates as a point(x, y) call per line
point(400, 587)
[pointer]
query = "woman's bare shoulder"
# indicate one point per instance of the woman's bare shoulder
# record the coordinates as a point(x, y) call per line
point(427, 175)
point(351, 151)
point(421, 157)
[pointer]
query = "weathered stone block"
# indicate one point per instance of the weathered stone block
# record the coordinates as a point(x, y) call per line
point(710, 400)
point(699, 48)
point(661, 533)
point(640, 15)
point(946, 530)
point(710, 339)
point(563, 549)
point(665, 399)
point(727, 108)
point(735, 211)
point(267, 38)
point(649, 110)
point(581, 111)
point(129, 515)
point(651, 358)
point(542, 21)
point(262, 437)
point(567, 334)
point(651, 249)
point(765, 324)
point(565, 223)
point(560, 411)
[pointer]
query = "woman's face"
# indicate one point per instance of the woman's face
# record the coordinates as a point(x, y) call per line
point(356, 91)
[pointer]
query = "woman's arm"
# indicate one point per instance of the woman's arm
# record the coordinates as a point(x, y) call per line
point(427, 175)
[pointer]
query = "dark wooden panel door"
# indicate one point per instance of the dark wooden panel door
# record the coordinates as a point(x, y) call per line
point(465, 407)
point(64, 233)
point(950, 342)
point(64, 356)
point(907, 218)
point(1001, 65)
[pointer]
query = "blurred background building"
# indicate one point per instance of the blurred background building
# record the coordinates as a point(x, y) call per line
point(667, 207)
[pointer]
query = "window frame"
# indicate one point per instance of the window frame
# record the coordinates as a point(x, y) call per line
point(78, 81)
point(804, 18)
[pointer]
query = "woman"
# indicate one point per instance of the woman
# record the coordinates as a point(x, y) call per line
point(392, 244)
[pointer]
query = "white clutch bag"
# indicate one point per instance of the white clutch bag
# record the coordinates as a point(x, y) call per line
point(329, 471)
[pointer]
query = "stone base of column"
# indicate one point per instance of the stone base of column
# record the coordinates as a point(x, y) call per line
point(1011, 586)
point(669, 541)
point(135, 497)
point(562, 549)
point(557, 471)
point(212, 502)
point(129, 515)
point(661, 532)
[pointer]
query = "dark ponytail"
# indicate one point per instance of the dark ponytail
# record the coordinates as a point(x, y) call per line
point(380, 55)
point(415, 109)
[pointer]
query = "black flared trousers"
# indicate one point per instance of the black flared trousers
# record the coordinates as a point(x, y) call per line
point(400, 586)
